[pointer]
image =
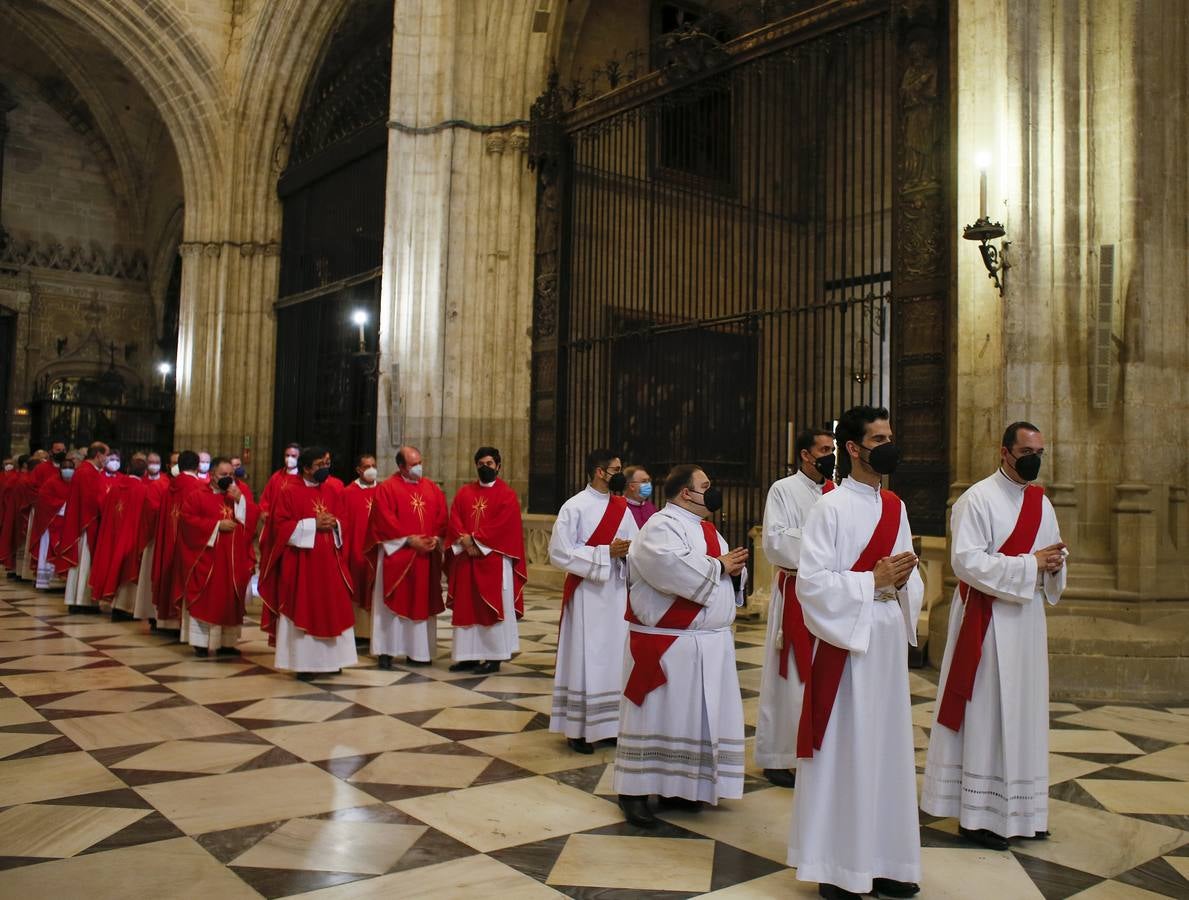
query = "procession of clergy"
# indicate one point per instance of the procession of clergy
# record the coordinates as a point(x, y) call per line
point(645, 653)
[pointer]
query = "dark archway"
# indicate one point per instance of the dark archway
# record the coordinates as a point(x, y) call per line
point(332, 242)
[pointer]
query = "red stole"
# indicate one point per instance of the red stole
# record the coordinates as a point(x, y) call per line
point(604, 533)
point(821, 687)
point(794, 635)
point(648, 649)
point(959, 686)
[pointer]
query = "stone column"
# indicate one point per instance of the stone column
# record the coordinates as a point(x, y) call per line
point(226, 349)
point(458, 247)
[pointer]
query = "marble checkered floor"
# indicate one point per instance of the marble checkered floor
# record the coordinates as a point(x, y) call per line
point(129, 769)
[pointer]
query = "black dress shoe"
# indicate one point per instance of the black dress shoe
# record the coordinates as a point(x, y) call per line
point(487, 667)
point(1036, 836)
point(229, 651)
point(680, 803)
point(834, 892)
point(781, 777)
point(71, 609)
point(464, 666)
point(385, 662)
point(306, 676)
point(984, 838)
point(886, 887)
point(409, 661)
point(202, 651)
point(119, 615)
point(635, 810)
point(580, 745)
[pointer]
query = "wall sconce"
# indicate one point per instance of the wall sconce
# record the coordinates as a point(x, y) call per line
point(984, 230)
point(369, 360)
point(163, 369)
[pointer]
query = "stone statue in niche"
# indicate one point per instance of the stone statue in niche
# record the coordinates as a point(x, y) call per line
point(921, 246)
point(919, 115)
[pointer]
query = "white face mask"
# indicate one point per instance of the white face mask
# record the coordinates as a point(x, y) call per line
point(112, 465)
point(8, 467)
point(174, 470)
point(291, 463)
point(154, 468)
point(68, 474)
point(204, 467)
point(415, 472)
point(370, 473)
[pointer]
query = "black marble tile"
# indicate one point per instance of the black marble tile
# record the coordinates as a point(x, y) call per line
point(501, 770)
point(432, 847)
point(935, 837)
point(345, 766)
point(270, 760)
point(118, 798)
point(282, 882)
point(1148, 744)
point(1072, 792)
point(1114, 773)
point(49, 748)
point(1181, 822)
point(733, 866)
point(232, 737)
point(390, 793)
point(152, 828)
point(354, 711)
point(584, 779)
point(458, 734)
point(1054, 881)
point(227, 845)
point(15, 862)
point(598, 893)
point(1157, 876)
point(535, 860)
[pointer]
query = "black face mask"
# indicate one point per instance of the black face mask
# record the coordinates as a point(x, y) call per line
point(825, 465)
point(617, 482)
point(227, 481)
point(883, 459)
point(1027, 467)
point(60, 457)
point(487, 474)
point(711, 498)
point(240, 471)
point(138, 469)
point(320, 475)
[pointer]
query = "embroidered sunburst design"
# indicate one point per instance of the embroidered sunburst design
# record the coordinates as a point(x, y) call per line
point(120, 506)
point(477, 509)
point(320, 508)
point(368, 503)
point(418, 503)
point(226, 512)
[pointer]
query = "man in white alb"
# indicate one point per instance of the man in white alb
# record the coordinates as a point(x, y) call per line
point(788, 649)
point(681, 720)
point(988, 761)
point(855, 827)
point(590, 539)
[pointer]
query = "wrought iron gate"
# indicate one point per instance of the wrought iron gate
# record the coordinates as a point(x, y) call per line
point(717, 257)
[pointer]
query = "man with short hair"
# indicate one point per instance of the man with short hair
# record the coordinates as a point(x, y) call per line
point(45, 470)
point(217, 527)
point(157, 485)
point(855, 827)
point(590, 540)
point(358, 497)
point(681, 720)
point(80, 530)
point(638, 493)
point(304, 581)
point(988, 760)
point(48, 516)
point(788, 648)
point(204, 466)
point(487, 571)
point(404, 546)
point(115, 563)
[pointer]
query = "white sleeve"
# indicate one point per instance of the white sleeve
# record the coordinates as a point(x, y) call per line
point(911, 597)
point(483, 548)
point(241, 510)
point(570, 554)
point(782, 529)
point(1054, 582)
point(391, 547)
point(837, 603)
point(662, 557)
point(1011, 578)
point(210, 542)
point(303, 534)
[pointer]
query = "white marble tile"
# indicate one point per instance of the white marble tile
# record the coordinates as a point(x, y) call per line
point(324, 845)
point(1153, 723)
point(758, 823)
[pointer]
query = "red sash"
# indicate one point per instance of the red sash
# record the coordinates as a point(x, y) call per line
point(794, 635)
point(647, 649)
point(968, 651)
point(604, 533)
point(821, 687)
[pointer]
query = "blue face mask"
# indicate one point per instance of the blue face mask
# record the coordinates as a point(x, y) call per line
point(646, 491)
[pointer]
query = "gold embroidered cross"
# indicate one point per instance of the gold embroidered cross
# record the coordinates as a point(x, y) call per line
point(418, 503)
point(477, 509)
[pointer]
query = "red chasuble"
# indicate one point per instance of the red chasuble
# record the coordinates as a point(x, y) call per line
point(475, 584)
point(648, 649)
point(312, 588)
point(156, 490)
point(794, 636)
point(968, 651)
point(88, 488)
point(216, 578)
point(50, 498)
point(603, 534)
point(357, 509)
point(19, 499)
point(115, 557)
point(825, 674)
point(412, 580)
point(168, 573)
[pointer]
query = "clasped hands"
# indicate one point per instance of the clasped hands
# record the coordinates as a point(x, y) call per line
point(733, 561)
point(893, 571)
point(1051, 558)
point(469, 545)
point(325, 521)
point(423, 543)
